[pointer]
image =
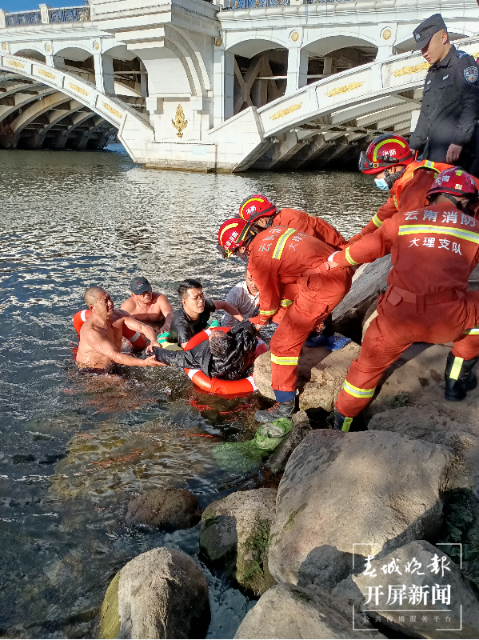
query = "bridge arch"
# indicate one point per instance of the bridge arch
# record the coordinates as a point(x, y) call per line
point(42, 97)
point(33, 52)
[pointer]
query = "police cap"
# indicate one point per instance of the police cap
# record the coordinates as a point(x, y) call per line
point(424, 32)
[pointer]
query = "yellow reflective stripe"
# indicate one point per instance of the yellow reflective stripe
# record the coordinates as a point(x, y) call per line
point(428, 164)
point(456, 368)
point(346, 424)
point(229, 226)
point(396, 203)
point(376, 220)
point(348, 257)
point(463, 234)
point(357, 392)
point(292, 362)
point(267, 313)
point(375, 154)
point(472, 332)
point(278, 251)
point(286, 302)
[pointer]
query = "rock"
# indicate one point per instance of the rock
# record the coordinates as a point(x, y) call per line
point(369, 316)
point(167, 509)
point(300, 429)
point(419, 368)
point(327, 378)
point(159, 594)
point(432, 424)
point(462, 624)
point(262, 375)
point(287, 611)
point(341, 489)
point(369, 282)
point(235, 532)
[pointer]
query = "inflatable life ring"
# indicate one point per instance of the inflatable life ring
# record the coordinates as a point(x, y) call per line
point(214, 385)
point(135, 337)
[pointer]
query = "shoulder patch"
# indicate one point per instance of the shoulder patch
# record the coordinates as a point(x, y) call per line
point(471, 74)
point(461, 54)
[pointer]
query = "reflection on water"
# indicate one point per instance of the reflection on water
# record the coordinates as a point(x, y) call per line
point(75, 449)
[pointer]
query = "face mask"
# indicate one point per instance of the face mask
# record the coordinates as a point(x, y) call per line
point(381, 184)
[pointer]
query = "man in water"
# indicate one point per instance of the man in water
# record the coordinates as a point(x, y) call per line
point(245, 297)
point(147, 306)
point(227, 356)
point(101, 335)
point(194, 316)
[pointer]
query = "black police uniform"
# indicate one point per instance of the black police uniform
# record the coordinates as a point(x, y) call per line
point(449, 108)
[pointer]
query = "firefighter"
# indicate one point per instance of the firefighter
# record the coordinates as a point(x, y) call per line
point(276, 256)
point(260, 211)
point(390, 160)
point(433, 250)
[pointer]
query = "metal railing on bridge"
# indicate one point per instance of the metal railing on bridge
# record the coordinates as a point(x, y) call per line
point(55, 16)
point(256, 4)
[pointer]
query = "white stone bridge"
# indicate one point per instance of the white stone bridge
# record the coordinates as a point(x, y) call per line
point(264, 84)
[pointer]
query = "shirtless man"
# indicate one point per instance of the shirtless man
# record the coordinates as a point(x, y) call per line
point(148, 307)
point(101, 334)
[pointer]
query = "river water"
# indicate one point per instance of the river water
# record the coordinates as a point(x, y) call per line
point(75, 449)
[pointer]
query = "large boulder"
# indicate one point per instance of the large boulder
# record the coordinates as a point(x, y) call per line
point(419, 368)
point(327, 378)
point(288, 611)
point(431, 423)
point(235, 532)
point(301, 427)
point(167, 509)
point(450, 609)
point(340, 490)
point(369, 281)
point(159, 594)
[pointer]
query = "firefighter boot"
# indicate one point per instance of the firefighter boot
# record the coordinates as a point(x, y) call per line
point(278, 410)
point(459, 377)
point(341, 423)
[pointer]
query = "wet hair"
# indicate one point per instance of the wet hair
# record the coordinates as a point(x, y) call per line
point(91, 295)
point(221, 344)
point(186, 285)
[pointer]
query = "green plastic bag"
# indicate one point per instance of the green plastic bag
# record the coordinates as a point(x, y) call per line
point(241, 457)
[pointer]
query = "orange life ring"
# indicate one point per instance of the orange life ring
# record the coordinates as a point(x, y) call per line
point(214, 385)
point(135, 337)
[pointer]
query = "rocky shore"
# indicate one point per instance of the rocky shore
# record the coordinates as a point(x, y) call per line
point(354, 514)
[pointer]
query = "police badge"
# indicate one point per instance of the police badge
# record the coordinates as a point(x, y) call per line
point(471, 74)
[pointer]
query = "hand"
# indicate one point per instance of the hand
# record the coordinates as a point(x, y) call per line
point(152, 362)
point(152, 344)
point(258, 322)
point(453, 153)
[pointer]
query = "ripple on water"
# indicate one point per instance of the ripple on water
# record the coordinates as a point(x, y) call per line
point(76, 448)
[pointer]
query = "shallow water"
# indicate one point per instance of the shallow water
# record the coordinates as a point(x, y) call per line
point(75, 449)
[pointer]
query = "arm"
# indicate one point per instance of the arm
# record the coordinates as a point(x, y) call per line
point(373, 246)
point(385, 212)
point(222, 304)
point(469, 100)
point(167, 310)
point(269, 295)
point(327, 232)
point(101, 344)
point(136, 325)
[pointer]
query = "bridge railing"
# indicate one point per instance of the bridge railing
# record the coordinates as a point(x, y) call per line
point(23, 18)
point(45, 15)
point(260, 4)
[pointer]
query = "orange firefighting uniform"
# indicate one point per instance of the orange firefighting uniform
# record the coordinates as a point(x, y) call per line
point(407, 193)
point(433, 251)
point(312, 226)
point(279, 256)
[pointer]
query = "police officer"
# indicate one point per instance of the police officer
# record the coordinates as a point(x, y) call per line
point(449, 107)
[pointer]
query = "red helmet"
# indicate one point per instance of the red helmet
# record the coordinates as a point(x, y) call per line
point(456, 182)
point(256, 207)
point(233, 234)
point(383, 152)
